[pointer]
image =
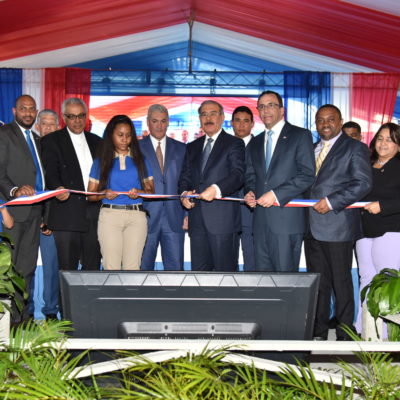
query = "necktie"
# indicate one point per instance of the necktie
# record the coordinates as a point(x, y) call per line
point(160, 157)
point(38, 182)
point(321, 157)
point(206, 153)
point(268, 150)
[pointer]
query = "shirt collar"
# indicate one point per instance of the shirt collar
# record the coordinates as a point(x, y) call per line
point(213, 137)
point(277, 128)
point(155, 141)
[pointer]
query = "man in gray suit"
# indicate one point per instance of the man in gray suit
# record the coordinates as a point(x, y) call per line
point(21, 175)
point(343, 176)
point(279, 167)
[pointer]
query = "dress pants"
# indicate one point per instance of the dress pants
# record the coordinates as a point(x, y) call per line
point(210, 252)
point(51, 284)
point(80, 247)
point(246, 238)
point(333, 260)
point(25, 236)
point(277, 252)
point(171, 247)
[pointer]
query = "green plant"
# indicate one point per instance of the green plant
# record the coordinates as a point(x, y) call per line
point(383, 298)
point(11, 282)
point(33, 365)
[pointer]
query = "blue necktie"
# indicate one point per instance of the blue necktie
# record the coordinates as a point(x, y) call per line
point(39, 182)
point(206, 153)
point(268, 150)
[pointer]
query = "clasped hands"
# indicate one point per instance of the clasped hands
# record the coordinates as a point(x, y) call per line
point(208, 195)
point(266, 200)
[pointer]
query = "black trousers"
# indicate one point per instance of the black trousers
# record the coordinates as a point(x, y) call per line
point(210, 252)
point(74, 247)
point(333, 260)
point(26, 236)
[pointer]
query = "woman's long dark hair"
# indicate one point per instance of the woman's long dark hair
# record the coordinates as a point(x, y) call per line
point(394, 131)
point(106, 153)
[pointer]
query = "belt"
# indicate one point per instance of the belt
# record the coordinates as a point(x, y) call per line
point(137, 207)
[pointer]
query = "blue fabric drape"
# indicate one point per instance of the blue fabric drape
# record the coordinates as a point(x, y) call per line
point(10, 89)
point(304, 93)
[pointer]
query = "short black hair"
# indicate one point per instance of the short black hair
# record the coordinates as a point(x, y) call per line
point(243, 109)
point(330, 106)
point(352, 124)
point(278, 96)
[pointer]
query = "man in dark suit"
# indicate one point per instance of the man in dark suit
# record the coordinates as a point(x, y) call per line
point(213, 167)
point(165, 217)
point(21, 175)
point(242, 124)
point(279, 167)
point(67, 157)
point(343, 177)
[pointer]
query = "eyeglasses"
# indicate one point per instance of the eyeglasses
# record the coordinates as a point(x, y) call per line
point(209, 114)
point(74, 117)
point(269, 106)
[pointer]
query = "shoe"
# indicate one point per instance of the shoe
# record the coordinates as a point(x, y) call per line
point(320, 338)
point(51, 317)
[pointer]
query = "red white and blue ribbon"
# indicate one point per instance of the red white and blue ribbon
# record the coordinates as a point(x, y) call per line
point(41, 196)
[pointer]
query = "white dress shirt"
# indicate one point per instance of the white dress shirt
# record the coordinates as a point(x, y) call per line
point(83, 153)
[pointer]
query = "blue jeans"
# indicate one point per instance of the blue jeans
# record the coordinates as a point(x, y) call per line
point(51, 285)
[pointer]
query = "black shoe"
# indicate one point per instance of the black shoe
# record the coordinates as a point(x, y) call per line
point(51, 317)
point(320, 338)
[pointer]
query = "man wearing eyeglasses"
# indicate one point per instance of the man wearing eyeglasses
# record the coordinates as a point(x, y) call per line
point(213, 168)
point(67, 156)
point(280, 166)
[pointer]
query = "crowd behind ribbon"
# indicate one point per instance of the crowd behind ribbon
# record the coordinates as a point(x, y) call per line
point(123, 231)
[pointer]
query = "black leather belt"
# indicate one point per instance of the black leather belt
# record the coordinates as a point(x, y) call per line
point(137, 207)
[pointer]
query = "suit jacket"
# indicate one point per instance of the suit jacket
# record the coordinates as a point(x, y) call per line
point(165, 183)
point(225, 168)
point(62, 169)
point(345, 177)
point(17, 167)
point(290, 174)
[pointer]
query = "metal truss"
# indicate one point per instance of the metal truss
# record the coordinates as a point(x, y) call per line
point(128, 83)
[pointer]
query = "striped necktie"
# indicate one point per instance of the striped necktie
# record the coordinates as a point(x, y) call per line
point(321, 157)
point(206, 153)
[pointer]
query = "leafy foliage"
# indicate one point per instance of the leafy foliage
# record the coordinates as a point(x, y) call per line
point(10, 281)
point(383, 298)
point(34, 365)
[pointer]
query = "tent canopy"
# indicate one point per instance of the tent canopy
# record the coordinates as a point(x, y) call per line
point(324, 35)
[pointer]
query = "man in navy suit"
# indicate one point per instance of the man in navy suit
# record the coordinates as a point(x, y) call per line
point(166, 217)
point(242, 124)
point(213, 167)
point(279, 167)
point(343, 176)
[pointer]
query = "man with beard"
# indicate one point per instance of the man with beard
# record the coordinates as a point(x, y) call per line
point(214, 168)
point(21, 175)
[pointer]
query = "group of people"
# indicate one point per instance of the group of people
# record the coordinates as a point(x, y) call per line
point(122, 224)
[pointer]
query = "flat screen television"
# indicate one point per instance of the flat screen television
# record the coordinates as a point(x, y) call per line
point(234, 305)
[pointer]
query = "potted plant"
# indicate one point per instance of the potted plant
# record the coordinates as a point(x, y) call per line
point(11, 282)
point(383, 299)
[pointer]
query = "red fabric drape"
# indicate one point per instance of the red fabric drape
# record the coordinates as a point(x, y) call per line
point(373, 97)
point(62, 83)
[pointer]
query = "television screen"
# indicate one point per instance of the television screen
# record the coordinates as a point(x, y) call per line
point(237, 305)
